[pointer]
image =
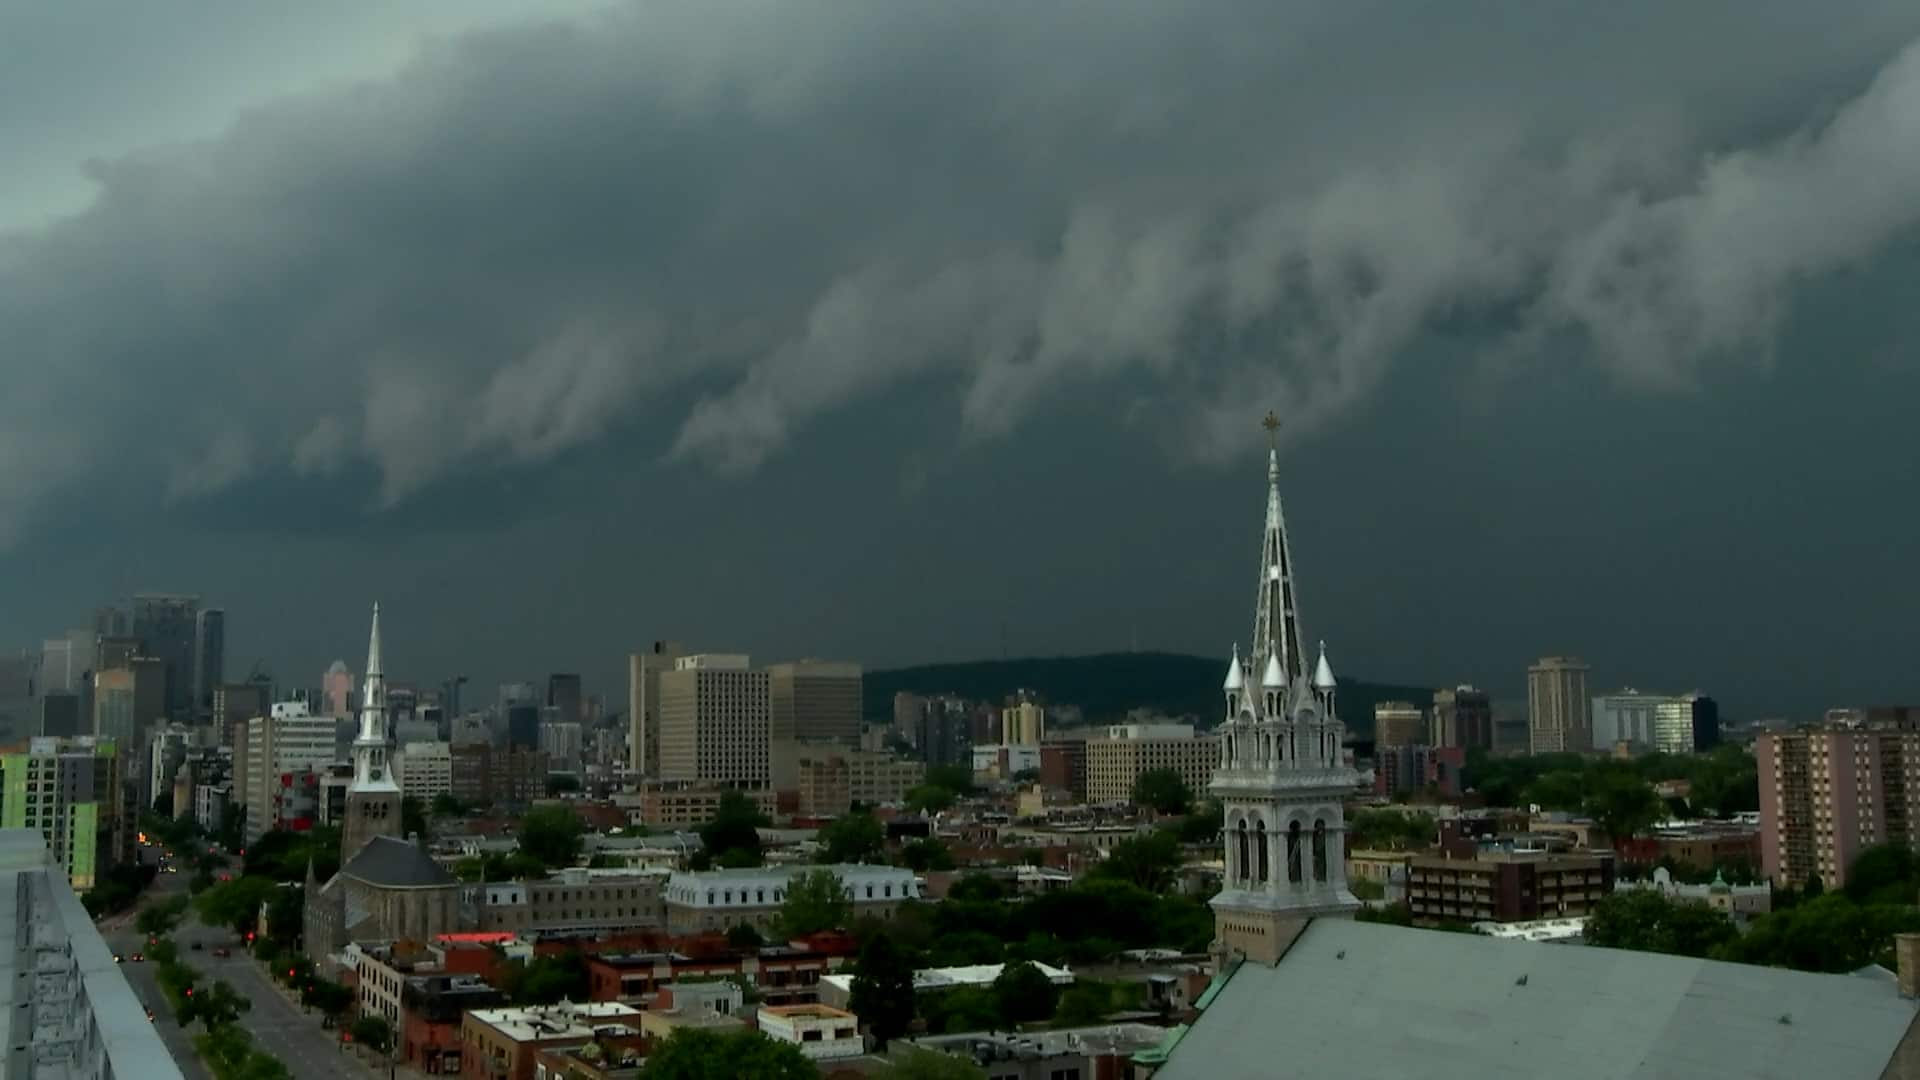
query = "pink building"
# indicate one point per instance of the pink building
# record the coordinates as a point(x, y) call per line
point(1828, 794)
point(336, 691)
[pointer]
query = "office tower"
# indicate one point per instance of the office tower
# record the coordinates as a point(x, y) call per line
point(1023, 722)
point(1687, 724)
point(908, 709)
point(60, 714)
point(287, 743)
point(1282, 778)
point(67, 663)
point(816, 701)
point(1461, 717)
point(70, 1014)
point(115, 652)
point(1827, 794)
point(129, 700)
point(1558, 709)
point(425, 770)
point(564, 744)
point(944, 732)
point(1706, 721)
point(1626, 716)
point(563, 693)
point(167, 626)
point(520, 693)
point(1120, 753)
point(209, 658)
point(112, 622)
point(69, 791)
point(1397, 723)
point(336, 690)
point(715, 722)
point(236, 703)
point(523, 726)
point(643, 703)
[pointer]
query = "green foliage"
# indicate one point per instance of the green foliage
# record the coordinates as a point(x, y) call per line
point(1564, 789)
point(561, 784)
point(1090, 1001)
point(1024, 994)
point(1201, 826)
point(816, 900)
point(229, 1054)
point(280, 855)
point(372, 1032)
point(413, 817)
point(969, 1008)
point(882, 991)
point(853, 838)
point(1621, 804)
point(1884, 874)
point(929, 798)
point(1148, 861)
point(330, 997)
point(735, 828)
point(921, 1064)
point(546, 980)
point(976, 886)
point(1390, 830)
point(1722, 782)
point(966, 948)
point(286, 915)
point(1163, 790)
point(1649, 922)
point(1392, 915)
point(445, 805)
point(500, 866)
point(926, 854)
point(214, 1006)
point(955, 778)
point(552, 835)
point(1366, 889)
point(235, 903)
point(744, 937)
point(161, 917)
point(118, 889)
point(694, 1054)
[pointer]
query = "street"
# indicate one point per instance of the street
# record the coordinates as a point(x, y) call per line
point(278, 1025)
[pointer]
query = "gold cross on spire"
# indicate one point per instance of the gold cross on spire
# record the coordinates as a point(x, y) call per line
point(1272, 424)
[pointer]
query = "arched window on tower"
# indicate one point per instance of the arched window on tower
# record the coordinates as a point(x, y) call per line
point(1241, 864)
point(1320, 850)
point(1293, 852)
point(1260, 834)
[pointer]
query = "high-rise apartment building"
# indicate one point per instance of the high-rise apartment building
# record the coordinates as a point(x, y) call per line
point(287, 743)
point(523, 726)
point(1827, 794)
point(209, 657)
point(643, 704)
point(168, 628)
point(68, 790)
point(565, 744)
point(1023, 722)
point(1396, 724)
point(1461, 717)
point(1558, 707)
point(425, 769)
point(715, 722)
point(1122, 752)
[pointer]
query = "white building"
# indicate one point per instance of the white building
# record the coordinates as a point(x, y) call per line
point(1625, 717)
point(837, 989)
point(425, 770)
point(720, 899)
point(820, 1031)
point(290, 740)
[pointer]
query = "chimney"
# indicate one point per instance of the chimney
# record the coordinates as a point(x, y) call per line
point(1906, 961)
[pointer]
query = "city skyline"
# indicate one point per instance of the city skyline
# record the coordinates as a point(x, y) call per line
point(951, 413)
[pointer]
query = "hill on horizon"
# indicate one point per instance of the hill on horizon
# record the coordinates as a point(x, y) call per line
point(1106, 685)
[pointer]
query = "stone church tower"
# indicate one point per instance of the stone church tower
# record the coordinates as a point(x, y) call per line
point(1283, 775)
point(373, 800)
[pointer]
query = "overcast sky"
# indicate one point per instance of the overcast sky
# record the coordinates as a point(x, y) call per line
point(906, 332)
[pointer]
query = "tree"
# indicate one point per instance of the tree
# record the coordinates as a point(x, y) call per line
point(735, 827)
point(372, 1032)
point(1827, 933)
point(695, 1054)
point(215, 1006)
point(744, 937)
point(853, 838)
point(970, 1008)
point(816, 900)
point(413, 817)
point(551, 834)
point(1083, 1004)
point(1148, 861)
point(882, 991)
point(926, 854)
point(160, 918)
point(1163, 790)
point(1024, 993)
point(332, 998)
point(547, 979)
point(1622, 806)
point(929, 798)
point(1390, 830)
point(445, 805)
point(955, 778)
point(561, 784)
point(1884, 874)
point(234, 903)
point(976, 886)
point(920, 1064)
point(1202, 825)
point(1565, 789)
point(1644, 920)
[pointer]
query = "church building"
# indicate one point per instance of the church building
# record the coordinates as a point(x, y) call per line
point(387, 887)
point(1283, 772)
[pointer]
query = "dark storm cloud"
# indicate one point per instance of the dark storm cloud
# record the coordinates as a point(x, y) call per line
point(531, 235)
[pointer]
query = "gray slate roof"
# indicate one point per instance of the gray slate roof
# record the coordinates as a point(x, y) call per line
point(1368, 1000)
point(396, 864)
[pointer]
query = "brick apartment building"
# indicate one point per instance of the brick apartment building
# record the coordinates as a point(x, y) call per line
point(1507, 886)
point(1827, 794)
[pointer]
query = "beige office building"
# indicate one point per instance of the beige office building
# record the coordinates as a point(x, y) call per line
point(715, 722)
point(1116, 760)
point(1462, 717)
point(831, 779)
point(1023, 723)
point(1559, 710)
point(1397, 723)
point(813, 702)
point(643, 704)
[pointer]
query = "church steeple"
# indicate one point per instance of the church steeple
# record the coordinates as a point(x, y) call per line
point(373, 799)
point(1276, 620)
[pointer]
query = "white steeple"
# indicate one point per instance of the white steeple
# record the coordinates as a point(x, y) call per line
point(1276, 625)
point(1235, 680)
point(1273, 678)
point(370, 772)
point(1323, 679)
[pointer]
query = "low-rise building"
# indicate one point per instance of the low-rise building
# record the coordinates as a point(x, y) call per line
point(837, 990)
point(432, 1007)
point(780, 975)
point(573, 901)
point(831, 779)
point(665, 805)
point(1116, 759)
point(1737, 901)
point(721, 899)
point(1507, 886)
point(1090, 1053)
point(820, 1031)
point(501, 1044)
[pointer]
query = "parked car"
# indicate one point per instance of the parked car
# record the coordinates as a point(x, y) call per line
point(222, 952)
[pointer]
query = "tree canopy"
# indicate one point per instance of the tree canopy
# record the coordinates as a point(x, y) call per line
point(696, 1054)
point(545, 980)
point(1390, 830)
point(732, 838)
point(1644, 920)
point(816, 900)
point(1163, 790)
point(1622, 805)
point(855, 837)
point(921, 1064)
point(1024, 993)
point(929, 798)
point(882, 992)
point(552, 835)
point(1149, 861)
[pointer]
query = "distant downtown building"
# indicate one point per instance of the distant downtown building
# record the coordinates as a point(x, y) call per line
point(286, 744)
point(643, 704)
point(1558, 708)
point(66, 1011)
point(1671, 724)
point(1461, 718)
point(715, 721)
point(425, 770)
point(1398, 723)
point(1117, 758)
point(168, 627)
point(812, 702)
point(1827, 794)
point(1023, 722)
point(831, 778)
point(69, 791)
point(209, 658)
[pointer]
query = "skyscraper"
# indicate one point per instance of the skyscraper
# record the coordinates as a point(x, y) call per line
point(1023, 722)
point(236, 703)
point(563, 693)
point(209, 658)
point(1462, 717)
point(167, 626)
point(643, 703)
point(1283, 774)
point(715, 722)
point(1397, 723)
point(1558, 708)
point(336, 691)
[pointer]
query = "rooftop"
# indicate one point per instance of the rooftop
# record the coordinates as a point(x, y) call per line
point(566, 1020)
point(950, 978)
point(396, 864)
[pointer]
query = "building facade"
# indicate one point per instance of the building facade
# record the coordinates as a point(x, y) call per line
point(1507, 886)
point(1827, 794)
point(831, 779)
point(69, 791)
point(643, 704)
point(715, 722)
point(168, 627)
point(717, 900)
point(425, 770)
point(1115, 761)
point(1282, 774)
point(1398, 723)
point(1461, 717)
point(1558, 706)
point(281, 748)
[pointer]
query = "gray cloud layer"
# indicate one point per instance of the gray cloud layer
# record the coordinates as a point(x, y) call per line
point(533, 236)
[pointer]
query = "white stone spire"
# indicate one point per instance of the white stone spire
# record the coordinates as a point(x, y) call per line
point(1323, 679)
point(370, 772)
point(1276, 621)
point(1235, 680)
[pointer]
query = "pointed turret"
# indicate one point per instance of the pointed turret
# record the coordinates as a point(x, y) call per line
point(1323, 679)
point(1235, 680)
point(373, 645)
point(1273, 678)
